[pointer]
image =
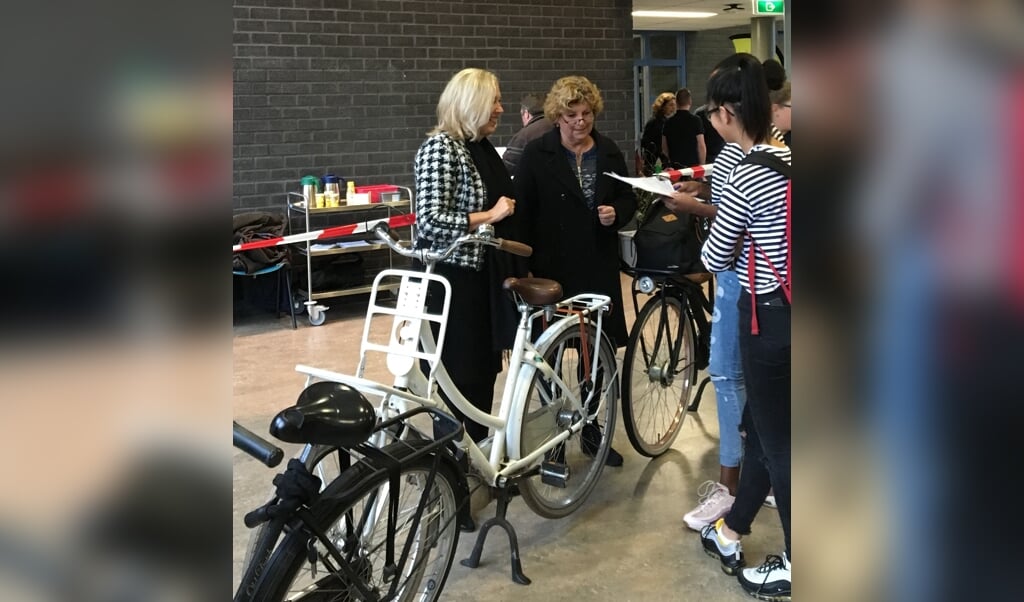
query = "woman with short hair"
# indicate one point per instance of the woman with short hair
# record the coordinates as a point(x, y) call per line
point(572, 211)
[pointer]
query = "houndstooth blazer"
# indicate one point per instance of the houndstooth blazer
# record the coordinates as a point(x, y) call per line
point(448, 189)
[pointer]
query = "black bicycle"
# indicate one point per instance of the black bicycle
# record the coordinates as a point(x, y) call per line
point(669, 343)
point(385, 528)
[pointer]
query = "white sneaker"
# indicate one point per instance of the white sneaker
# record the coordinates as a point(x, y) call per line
point(769, 501)
point(715, 502)
point(772, 581)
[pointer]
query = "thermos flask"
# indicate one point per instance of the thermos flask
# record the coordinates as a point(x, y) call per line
point(332, 190)
point(310, 186)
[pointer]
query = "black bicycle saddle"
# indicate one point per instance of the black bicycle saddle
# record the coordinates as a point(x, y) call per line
point(326, 413)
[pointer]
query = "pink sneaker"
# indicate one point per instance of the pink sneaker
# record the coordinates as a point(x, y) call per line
point(715, 502)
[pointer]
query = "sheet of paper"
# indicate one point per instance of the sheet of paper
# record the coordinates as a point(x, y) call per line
point(653, 184)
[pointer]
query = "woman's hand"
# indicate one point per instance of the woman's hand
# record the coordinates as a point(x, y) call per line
point(693, 188)
point(606, 215)
point(503, 208)
point(683, 202)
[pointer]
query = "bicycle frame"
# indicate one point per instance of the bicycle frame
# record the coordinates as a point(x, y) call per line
point(413, 387)
point(404, 349)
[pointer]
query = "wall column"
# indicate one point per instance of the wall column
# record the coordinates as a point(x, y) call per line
point(762, 37)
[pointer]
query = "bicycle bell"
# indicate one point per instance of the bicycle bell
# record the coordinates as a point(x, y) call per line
point(485, 230)
point(646, 285)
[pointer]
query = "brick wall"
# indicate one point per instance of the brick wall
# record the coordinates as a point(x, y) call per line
point(351, 86)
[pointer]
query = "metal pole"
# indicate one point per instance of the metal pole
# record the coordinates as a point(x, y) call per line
point(762, 37)
point(787, 44)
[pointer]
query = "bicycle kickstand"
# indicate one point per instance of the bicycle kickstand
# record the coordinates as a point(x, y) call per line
point(505, 495)
point(695, 405)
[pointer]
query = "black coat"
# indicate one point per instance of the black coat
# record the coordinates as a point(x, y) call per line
point(569, 243)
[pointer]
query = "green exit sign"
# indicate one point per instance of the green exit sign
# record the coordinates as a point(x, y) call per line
point(769, 7)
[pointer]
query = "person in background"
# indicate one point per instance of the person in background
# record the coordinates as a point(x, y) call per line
point(452, 200)
point(713, 142)
point(571, 212)
point(754, 209)
point(776, 79)
point(782, 113)
point(535, 124)
point(683, 138)
point(650, 142)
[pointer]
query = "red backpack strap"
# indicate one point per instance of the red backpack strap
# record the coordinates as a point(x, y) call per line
point(752, 279)
point(789, 243)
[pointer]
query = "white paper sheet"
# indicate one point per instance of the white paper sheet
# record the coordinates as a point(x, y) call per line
point(652, 184)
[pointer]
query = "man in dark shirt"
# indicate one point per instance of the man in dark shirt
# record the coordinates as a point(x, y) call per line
point(683, 137)
point(535, 125)
point(712, 139)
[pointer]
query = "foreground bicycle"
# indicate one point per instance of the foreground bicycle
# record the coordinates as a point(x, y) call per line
point(551, 434)
point(385, 529)
point(668, 344)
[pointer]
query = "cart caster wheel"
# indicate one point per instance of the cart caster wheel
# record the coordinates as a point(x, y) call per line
point(298, 305)
point(317, 318)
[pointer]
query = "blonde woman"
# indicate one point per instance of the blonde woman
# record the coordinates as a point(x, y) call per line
point(452, 200)
point(650, 143)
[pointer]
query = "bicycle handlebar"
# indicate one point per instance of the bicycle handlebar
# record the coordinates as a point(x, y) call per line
point(257, 446)
point(514, 247)
point(484, 235)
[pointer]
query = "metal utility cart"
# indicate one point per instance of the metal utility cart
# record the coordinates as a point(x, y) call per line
point(316, 251)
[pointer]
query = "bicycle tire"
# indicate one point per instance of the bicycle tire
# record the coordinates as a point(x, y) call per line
point(326, 462)
point(584, 457)
point(658, 373)
point(350, 500)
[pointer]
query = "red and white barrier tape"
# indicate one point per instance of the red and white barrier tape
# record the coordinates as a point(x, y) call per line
point(397, 221)
point(696, 172)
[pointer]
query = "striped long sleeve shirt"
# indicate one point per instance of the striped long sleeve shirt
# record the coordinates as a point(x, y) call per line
point(752, 202)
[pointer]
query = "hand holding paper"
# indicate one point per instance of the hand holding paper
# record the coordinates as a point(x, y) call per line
point(656, 185)
point(661, 184)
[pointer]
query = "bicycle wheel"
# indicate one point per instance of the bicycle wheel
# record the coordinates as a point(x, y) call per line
point(659, 370)
point(326, 462)
point(354, 513)
point(543, 418)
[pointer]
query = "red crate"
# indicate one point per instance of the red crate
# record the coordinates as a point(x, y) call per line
point(375, 190)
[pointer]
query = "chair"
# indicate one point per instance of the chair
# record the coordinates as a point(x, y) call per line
point(283, 273)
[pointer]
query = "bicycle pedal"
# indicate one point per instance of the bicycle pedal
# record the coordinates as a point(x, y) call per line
point(554, 474)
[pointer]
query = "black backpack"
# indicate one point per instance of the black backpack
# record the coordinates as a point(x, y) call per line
point(667, 242)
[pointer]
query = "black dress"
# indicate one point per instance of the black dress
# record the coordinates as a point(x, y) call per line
point(481, 321)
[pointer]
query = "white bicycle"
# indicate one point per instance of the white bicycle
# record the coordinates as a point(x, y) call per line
point(551, 435)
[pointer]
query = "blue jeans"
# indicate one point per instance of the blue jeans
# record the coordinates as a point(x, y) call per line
point(726, 368)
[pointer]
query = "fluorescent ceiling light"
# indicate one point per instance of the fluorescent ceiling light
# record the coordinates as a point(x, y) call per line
point(673, 14)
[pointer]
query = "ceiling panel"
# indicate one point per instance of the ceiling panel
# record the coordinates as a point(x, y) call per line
point(723, 18)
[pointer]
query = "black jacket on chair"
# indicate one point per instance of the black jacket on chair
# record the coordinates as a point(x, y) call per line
point(569, 243)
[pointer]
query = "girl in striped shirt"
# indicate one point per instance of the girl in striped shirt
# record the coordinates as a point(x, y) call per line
point(753, 205)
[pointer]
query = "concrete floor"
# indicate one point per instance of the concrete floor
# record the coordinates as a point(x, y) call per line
point(627, 542)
